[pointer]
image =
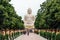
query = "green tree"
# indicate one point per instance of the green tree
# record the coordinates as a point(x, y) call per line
point(49, 15)
point(8, 17)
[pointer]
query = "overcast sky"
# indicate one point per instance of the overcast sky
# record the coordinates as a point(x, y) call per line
point(21, 6)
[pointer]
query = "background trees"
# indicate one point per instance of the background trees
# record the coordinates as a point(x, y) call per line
point(8, 17)
point(49, 15)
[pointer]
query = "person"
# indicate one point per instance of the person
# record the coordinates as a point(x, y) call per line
point(29, 20)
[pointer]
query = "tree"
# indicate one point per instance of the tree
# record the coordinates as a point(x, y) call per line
point(49, 15)
point(8, 17)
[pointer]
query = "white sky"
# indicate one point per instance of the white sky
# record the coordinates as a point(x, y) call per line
point(21, 6)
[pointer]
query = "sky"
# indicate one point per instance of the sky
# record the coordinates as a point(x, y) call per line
point(21, 6)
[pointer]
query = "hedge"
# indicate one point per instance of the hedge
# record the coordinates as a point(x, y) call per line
point(10, 37)
point(58, 37)
point(50, 36)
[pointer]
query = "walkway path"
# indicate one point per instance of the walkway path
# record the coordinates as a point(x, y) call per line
point(32, 36)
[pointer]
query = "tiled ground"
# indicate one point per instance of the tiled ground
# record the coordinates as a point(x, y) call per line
point(32, 36)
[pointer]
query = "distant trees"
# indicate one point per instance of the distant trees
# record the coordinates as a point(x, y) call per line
point(48, 17)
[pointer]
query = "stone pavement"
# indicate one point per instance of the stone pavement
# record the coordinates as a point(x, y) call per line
point(32, 36)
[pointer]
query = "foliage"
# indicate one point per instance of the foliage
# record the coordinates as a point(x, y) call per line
point(49, 36)
point(58, 37)
point(8, 17)
point(9, 37)
point(48, 15)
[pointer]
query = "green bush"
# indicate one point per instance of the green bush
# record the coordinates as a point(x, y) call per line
point(1, 37)
point(10, 37)
point(42, 33)
point(6, 37)
point(47, 35)
point(50, 36)
point(53, 36)
point(58, 37)
point(15, 35)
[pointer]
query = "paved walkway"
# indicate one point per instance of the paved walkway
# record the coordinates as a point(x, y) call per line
point(32, 36)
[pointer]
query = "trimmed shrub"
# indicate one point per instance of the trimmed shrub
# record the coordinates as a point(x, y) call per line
point(53, 36)
point(42, 33)
point(47, 35)
point(10, 37)
point(50, 36)
point(1, 37)
point(58, 37)
point(6, 37)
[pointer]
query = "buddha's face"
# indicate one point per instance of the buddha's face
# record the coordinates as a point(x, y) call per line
point(29, 11)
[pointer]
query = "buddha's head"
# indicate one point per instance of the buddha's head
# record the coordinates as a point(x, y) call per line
point(29, 10)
